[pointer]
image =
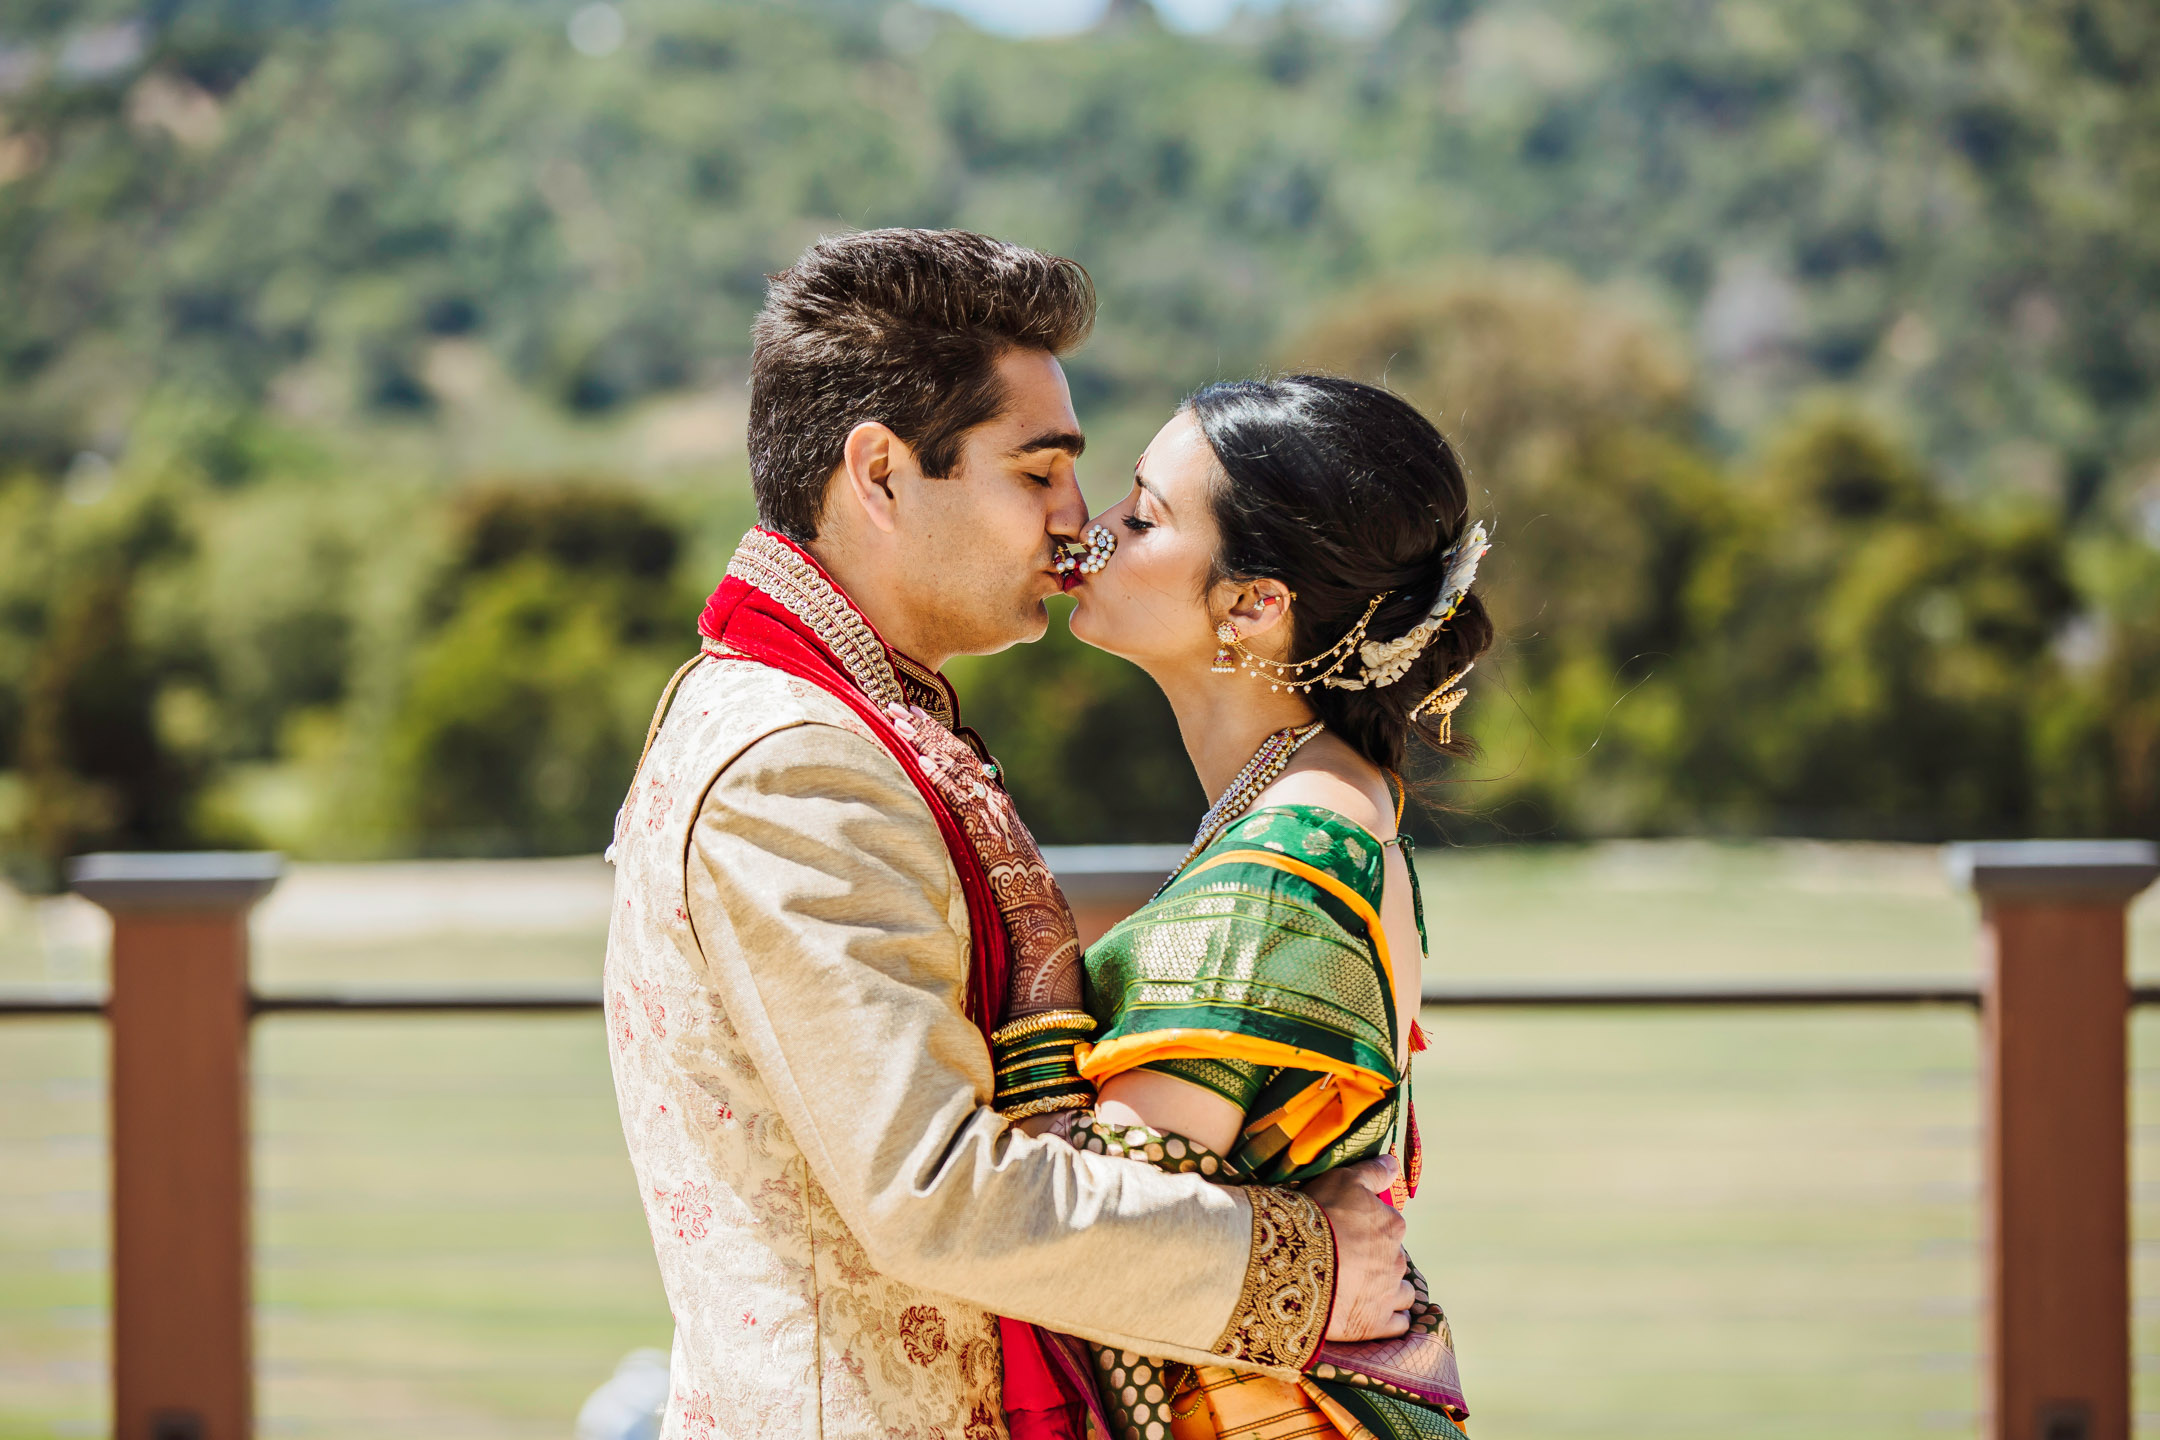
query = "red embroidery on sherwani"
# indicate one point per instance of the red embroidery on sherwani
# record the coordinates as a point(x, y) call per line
point(689, 1214)
point(659, 799)
point(697, 1415)
point(922, 1333)
point(619, 1020)
point(748, 1318)
point(981, 1426)
point(655, 1012)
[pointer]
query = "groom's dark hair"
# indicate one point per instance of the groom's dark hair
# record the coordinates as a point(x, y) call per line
point(900, 326)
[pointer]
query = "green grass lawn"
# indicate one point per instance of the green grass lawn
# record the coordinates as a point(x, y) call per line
point(1691, 1222)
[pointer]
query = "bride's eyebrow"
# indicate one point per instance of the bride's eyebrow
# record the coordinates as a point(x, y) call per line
point(1142, 481)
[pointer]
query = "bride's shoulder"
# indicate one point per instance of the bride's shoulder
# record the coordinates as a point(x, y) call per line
point(1327, 785)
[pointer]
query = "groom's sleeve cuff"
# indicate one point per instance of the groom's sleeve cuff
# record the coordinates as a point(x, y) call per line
point(1282, 1312)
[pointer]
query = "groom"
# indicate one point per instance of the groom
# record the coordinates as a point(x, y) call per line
point(805, 955)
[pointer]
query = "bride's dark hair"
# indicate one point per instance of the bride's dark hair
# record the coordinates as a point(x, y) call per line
point(1341, 491)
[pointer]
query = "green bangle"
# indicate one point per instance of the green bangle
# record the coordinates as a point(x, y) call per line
point(1063, 1082)
point(1062, 1059)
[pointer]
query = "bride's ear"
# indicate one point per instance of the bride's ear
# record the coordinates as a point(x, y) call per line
point(1262, 607)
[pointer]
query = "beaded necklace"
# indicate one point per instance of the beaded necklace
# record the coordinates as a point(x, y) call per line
point(1268, 762)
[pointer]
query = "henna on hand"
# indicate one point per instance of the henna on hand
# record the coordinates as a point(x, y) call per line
point(1039, 928)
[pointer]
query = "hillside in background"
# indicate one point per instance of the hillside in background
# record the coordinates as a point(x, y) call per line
point(1805, 353)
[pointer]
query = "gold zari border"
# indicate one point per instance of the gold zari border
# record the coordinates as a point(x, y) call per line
point(1281, 1315)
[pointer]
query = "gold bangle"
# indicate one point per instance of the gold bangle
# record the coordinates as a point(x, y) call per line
point(1044, 1106)
point(1041, 1023)
point(1072, 1081)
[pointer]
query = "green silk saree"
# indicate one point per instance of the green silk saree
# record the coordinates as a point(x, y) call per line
point(1261, 973)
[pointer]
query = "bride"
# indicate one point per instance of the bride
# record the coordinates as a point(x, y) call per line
point(1293, 567)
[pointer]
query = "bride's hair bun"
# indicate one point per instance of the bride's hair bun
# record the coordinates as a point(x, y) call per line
point(1342, 491)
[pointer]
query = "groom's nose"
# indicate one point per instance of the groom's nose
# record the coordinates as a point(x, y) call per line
point(1068, 512)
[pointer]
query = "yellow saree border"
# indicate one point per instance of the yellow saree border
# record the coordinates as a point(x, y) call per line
point(1324, 1110)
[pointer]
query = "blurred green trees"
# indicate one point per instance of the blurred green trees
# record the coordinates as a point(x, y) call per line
point(560, 618)
point(1818, 641)
point(1803, 356)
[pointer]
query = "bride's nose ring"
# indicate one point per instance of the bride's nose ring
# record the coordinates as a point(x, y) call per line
point(1089, 553)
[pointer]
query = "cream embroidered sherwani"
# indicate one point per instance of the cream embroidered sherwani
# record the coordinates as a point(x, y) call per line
point(837, 1211)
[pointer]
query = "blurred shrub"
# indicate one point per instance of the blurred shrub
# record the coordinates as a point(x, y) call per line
point(88, 708)
point(1868, 659)
point(1089, 746)
point(526, 702)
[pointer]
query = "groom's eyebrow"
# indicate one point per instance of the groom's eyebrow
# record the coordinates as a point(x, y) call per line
point(1072, 442)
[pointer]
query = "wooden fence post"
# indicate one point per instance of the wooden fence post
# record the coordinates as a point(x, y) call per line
point(179, 1020)
point(2056, 1020)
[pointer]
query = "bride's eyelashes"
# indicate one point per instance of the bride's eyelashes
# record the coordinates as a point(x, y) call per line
point(1135, 524)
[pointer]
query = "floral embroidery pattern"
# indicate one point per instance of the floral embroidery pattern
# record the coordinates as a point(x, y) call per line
point(659, 800)
point(619, 1021)
point(655, 1012)
point(922, 1333)
point(781, 1200)
point(697, 1415)
point(689, 1211)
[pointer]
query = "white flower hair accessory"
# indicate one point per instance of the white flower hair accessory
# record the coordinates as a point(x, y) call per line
point(1387, 661)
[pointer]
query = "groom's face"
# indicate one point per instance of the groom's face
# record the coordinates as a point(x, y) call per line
point(979, 543)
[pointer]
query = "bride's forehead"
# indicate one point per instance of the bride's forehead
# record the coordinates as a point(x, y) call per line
point(1178, 453)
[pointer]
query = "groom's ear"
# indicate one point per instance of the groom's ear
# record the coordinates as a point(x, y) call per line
point(870, 461)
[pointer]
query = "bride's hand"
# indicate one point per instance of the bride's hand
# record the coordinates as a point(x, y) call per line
point(1045, 973)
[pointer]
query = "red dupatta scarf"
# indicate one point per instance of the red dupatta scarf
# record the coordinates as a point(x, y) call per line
point(777, 606)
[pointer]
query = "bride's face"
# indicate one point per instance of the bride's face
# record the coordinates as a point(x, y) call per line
point(1149, 604)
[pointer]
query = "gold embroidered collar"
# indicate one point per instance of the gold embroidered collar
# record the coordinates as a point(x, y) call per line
point(808, 593)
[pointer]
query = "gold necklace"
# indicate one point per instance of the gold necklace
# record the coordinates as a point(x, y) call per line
point(1267, 763)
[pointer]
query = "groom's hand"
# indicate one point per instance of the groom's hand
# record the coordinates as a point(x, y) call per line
point(1372, 1280)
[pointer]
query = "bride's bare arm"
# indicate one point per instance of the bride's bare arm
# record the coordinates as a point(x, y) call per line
point(1173, 1106)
